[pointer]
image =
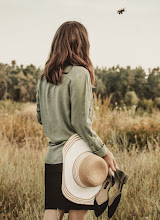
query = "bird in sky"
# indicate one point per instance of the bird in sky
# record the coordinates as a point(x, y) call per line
point(121, 11)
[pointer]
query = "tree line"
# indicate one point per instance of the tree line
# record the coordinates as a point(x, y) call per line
point(129, 86)
point(126, 85)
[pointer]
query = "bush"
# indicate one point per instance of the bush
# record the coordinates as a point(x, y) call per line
point(157, 102)
point(146, 104)
point(131, 98)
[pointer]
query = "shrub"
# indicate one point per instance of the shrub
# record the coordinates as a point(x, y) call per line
point(157, 102)
point(131, 98)
point(146, 104)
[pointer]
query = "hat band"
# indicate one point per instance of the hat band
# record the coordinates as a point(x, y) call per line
point(76, 165)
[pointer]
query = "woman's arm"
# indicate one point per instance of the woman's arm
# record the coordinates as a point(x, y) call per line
point(38, 105)
point(81, 111)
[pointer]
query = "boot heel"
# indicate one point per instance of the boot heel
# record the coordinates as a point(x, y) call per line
point(125, 179)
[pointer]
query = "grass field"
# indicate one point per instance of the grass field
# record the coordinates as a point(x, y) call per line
point(134, 140)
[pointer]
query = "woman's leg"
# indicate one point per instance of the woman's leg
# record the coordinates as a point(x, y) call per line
point(50, 214)
point(77, 214)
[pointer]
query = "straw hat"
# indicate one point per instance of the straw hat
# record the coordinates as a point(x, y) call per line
point(83, 171)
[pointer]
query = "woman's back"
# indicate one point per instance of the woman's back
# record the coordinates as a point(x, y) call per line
point(66, 109)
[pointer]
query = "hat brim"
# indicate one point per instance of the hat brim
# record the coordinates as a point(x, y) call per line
point(71, 190)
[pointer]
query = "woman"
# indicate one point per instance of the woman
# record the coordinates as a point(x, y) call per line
point(64, 107)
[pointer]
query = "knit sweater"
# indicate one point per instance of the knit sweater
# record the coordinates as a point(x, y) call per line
point(65, 109)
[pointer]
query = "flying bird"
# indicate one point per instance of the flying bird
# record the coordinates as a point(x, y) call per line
point(121, 11)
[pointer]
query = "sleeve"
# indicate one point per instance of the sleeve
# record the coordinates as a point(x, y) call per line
point(38, 112)
point(81, 104)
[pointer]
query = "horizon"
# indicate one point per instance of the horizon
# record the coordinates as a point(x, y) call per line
point(129, 39)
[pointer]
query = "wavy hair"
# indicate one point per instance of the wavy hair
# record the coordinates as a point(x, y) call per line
point(70, 46)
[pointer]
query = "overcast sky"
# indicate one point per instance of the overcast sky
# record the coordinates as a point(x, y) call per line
point(133, 38)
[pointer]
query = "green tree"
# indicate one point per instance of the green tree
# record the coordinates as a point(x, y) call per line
point(131, 98)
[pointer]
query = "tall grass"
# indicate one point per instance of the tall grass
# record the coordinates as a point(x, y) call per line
point(23, 147)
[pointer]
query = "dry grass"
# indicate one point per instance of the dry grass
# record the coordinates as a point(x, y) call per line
point(23, 148)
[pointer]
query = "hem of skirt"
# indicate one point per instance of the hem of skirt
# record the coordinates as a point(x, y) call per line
point(65, 210)
point(69, 208)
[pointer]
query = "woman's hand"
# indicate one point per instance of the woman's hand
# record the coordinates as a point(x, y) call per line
point(111, 162)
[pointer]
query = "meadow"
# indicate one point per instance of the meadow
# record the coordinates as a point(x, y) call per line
point(133, 138)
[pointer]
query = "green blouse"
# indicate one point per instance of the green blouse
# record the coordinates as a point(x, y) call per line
point(66, 109)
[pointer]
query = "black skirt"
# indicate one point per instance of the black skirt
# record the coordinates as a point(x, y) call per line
point(53, 195)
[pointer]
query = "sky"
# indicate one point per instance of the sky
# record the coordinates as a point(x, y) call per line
point(132, 38)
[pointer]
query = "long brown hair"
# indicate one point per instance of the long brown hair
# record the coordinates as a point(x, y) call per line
point(70, 46)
